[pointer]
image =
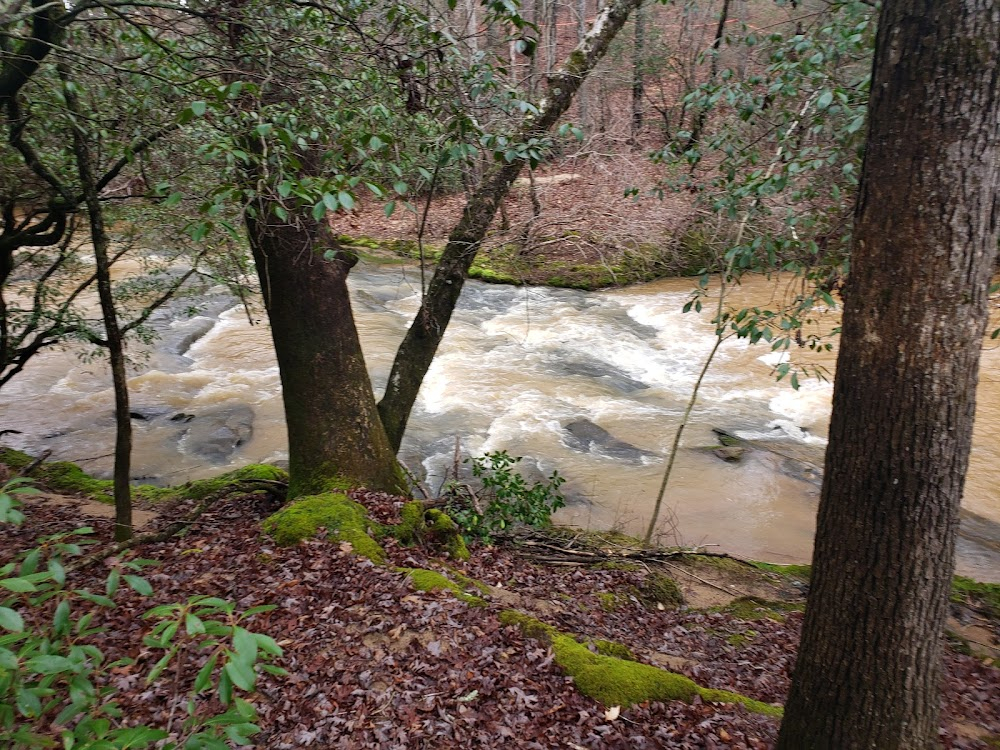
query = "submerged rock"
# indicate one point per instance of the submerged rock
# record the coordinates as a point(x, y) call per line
point(216, 434)
point(583, 435)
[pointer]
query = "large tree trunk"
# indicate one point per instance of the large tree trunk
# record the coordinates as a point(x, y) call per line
point(415, 354)
point(334, 433)
point(915, 311)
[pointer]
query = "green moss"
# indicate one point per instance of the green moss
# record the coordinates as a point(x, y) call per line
point(752, 608)
point(660, 589)
point(795, 572)
point(741, 639)
point(616, 682)
point(625, 566)
point(611, 602)
point(344, 519)
point(992, 740)
point(957, 643)
point(68, 478)
point(431, 580)
point(469, 583)
point(240, 478)
point(368, 242)
point(411, 529)
point(612, 648)
point(968, 591)
point(431, 526)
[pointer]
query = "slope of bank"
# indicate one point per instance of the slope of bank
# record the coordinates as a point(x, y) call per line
point(426, 651)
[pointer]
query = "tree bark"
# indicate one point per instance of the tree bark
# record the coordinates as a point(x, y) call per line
point(638, 56)
point(915, 311)
point(114, 338)
point(334, 432)
point(421, 342)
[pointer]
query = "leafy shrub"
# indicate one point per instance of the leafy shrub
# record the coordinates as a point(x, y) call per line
point(505, 498)
point(55, 686)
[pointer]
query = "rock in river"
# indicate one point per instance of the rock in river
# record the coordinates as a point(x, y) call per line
point(216, 434)
point(584, 435)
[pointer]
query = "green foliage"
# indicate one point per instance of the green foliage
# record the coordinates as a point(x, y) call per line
point(506, 498)
point(786, 145)
point(55, 681)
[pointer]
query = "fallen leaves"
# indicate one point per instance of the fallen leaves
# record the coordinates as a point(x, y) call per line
point(373, 663)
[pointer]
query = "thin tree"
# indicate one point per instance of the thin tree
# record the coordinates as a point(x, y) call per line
point(915, 311)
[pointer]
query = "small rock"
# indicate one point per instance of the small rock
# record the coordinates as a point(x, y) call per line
point(730, 453)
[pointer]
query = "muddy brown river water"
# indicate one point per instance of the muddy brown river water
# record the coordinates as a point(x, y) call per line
point(518, 366)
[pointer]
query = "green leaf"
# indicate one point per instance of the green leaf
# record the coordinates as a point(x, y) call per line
point(11, 620)
point(204, 679)
point(139, 585)
point(330, 201)
point(18, 585)
point(193, 624)
point(28, 703)
point(60, 620)
point(245, 646)
point(50, 664)
point(173, 199)
point(267, 644)
point(198, 108)
point(319, 211)
point(111, 585)
point(346, 200)
point(389, 209)
point(241, 674)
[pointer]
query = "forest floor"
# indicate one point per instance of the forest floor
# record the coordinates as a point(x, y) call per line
point(373, 661)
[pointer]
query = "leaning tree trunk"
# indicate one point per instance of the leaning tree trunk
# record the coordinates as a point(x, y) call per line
point(415, 354)
point(915, 310)
point(334, 432)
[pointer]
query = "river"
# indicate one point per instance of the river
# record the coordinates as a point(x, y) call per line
point(517, 367)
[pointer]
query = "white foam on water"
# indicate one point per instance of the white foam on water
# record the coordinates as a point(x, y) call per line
point(808, 406)
point(775, 358)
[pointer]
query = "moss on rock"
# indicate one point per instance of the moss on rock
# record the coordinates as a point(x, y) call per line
point(986, 595)
point(433, 527)
point(660, 589)
point(616, 682)
point(431, 580)
point(68, 478)
point(246, 475)
point(753, 608)
point(615, 649)
point(343, 519)
point(795, 572)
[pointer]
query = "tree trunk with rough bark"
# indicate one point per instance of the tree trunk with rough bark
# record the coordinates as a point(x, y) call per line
point(915, 311)
point(334, 432)
point(418, 348)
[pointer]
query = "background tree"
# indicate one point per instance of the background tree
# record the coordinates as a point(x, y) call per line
point(915, 311)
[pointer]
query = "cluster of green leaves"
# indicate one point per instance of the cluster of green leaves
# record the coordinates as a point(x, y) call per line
point(54, 681)
point(787, 136)
point(506, 498)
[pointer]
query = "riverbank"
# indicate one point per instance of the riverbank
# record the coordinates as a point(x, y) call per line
point(564, 265)
point(418, 649)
